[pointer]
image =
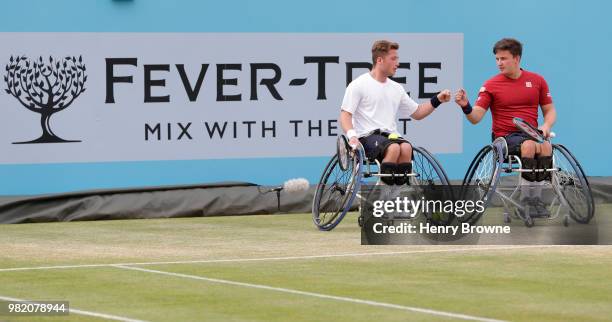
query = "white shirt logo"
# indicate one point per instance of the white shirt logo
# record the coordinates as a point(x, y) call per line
point(482, 89)
point(527, 84)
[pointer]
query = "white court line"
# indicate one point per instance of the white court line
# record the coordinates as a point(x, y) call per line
point(232, 260)
point(317, 295)
point(76, 311)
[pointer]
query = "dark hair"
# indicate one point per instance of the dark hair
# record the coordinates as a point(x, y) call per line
point(381, 48)
point(510, 44)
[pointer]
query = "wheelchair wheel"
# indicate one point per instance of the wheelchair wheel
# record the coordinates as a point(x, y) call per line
point(431, 176)
point(482, 177)
point(571, 184)
point(336, 191)
point(428, 168)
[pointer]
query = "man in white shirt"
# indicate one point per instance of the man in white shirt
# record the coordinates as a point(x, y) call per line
point(370, 111)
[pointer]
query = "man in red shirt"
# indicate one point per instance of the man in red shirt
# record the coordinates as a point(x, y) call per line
point(515, 92)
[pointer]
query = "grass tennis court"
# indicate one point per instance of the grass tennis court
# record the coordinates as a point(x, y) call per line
point(280, 268)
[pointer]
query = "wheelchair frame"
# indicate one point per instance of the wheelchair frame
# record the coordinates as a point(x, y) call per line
point(511, 164)
point(362, 169)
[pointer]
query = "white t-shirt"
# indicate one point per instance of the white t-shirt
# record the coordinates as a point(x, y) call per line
point(376, 105)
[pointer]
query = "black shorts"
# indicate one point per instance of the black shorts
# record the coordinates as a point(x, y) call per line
point(514, 141)
point(376, 143)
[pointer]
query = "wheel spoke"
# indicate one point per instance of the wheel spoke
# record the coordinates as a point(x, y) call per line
point(572, 185)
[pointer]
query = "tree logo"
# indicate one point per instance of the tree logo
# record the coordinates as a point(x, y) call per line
point(45, 88)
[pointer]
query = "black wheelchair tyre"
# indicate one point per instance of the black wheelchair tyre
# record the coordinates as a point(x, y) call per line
point(488, 156)
point(336, 191)
point(432, 176)
point(573, 185)
point(428, 168)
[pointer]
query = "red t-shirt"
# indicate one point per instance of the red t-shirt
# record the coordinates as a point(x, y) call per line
point(510, 98)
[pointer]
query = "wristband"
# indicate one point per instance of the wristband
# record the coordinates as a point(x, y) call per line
point(351, 133)
point(435, 102)
point(467, 109)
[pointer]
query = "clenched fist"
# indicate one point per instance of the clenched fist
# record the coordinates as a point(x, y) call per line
point(444, 96)
point(461, 98)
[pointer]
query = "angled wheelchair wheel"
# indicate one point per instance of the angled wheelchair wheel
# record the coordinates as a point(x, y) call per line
point(571, 184)
point(482, 178)
point(336, 190)
point(428, 168)
point(432, 177)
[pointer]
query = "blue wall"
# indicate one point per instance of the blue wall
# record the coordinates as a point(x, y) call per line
point(568, 42)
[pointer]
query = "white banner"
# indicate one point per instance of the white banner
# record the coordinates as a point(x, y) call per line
point(89, 97)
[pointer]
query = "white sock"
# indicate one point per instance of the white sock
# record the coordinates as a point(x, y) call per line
point(526, 189)
point(537, 189)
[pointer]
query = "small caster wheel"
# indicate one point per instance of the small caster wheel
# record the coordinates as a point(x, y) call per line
point(360, 221)
point(507, 219)
point(566, 221)
point(529, 222)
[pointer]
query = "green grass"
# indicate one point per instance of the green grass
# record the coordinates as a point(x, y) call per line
point(565, 283)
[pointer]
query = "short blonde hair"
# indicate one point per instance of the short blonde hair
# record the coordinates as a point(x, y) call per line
point(381, 48)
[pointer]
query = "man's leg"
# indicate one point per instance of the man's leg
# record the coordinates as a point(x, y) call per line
point(544, 160)
point(527, 153)
point(392, 153)
point(404, 165)
point(544, 157)
point(389, 163)
point(405, 153)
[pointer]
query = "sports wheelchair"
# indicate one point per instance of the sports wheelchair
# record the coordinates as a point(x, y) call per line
point(569, 183)
point(348, 169)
